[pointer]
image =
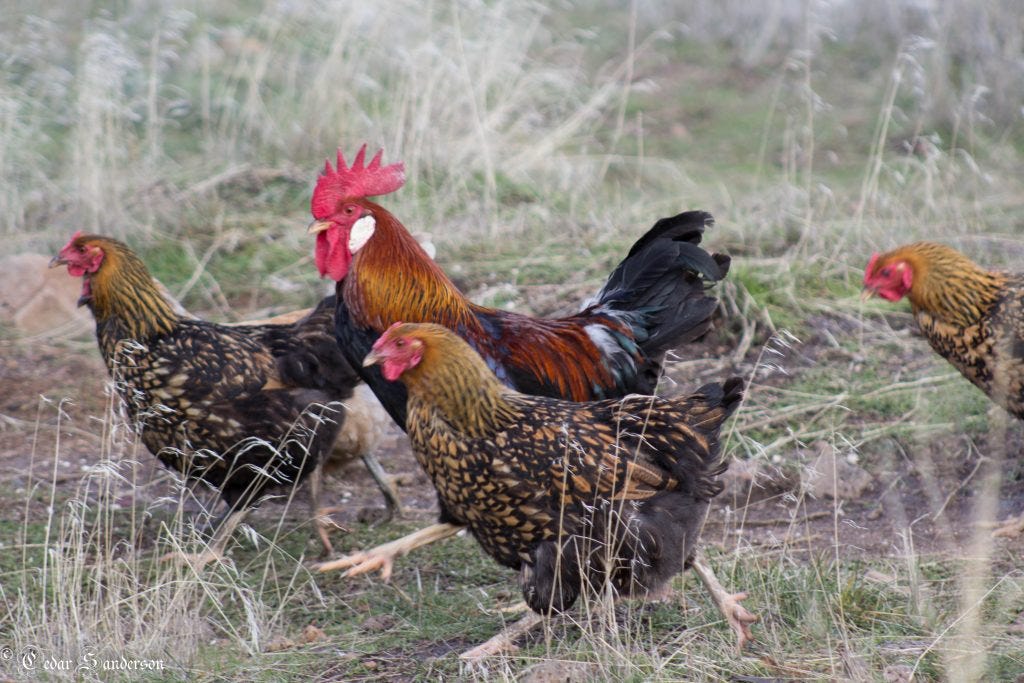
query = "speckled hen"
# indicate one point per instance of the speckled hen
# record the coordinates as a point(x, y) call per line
point(244, 408)
point(576, 496)
point(971, 316)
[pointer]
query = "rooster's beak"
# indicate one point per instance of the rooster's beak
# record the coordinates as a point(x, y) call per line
point(57, 261)
point(866, 294)
point(317, 227)
point(372, 359)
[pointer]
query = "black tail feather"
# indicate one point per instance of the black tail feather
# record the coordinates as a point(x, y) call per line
point(659, 288)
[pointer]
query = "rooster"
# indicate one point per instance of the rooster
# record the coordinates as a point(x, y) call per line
point(653, 301)
point(243, 408)
point(576, 496)
point(971, 316)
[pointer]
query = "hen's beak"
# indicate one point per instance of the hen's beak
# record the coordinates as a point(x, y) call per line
point(57, 261)
point(866, 293)
point(317, 227)
point(372, 358)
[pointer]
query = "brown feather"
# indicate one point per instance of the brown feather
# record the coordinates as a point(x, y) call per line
point(972, 317)
point(631, 475)
point(244, 408)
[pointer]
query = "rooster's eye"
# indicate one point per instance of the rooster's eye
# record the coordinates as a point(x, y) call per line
point(887, 271)
point(400, 343)
point(349, 210)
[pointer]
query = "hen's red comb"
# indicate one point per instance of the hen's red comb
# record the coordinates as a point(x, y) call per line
point(354, 182)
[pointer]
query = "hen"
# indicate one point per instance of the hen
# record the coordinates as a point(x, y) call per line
point(361, 433)
point(971, 316)
point(576, 496)
point(653, 301)
point(242, 408)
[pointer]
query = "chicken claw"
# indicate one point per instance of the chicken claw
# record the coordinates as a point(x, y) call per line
point(1011, 528)
point(383, 556)
point(379, 558)
point(504, 642)
point(214, 551)
point(325, 525)
point(728, 604)
point(195, 560)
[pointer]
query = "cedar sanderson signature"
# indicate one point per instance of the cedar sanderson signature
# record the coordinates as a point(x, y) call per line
point(31, 658)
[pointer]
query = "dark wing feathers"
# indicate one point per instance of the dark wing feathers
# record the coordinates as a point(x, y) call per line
point(558, 459)
point(630, 477)
point(306, 353)
point(241, 407)
point(688, 226)
point(657, 291)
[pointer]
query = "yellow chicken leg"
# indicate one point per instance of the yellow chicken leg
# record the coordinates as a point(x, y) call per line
point(728, 604)
point(504, 642)
point(321, 515)
point(214, 552)
point(383, 556)
point(1011, 528)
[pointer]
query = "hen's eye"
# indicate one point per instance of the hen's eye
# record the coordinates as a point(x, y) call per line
point(400, 342)
point(887, 271)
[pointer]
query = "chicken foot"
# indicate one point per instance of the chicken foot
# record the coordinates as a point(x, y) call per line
point(738, 618)
point(728, 604)
point(383, 556)
point(1011, 528)
point(505, 641)
point(321, 515)
point(214, 551)
point(386, 483)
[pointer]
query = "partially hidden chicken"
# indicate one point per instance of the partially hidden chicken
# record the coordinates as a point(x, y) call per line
point(654, 301)
point(361, 433)
point(576, 496)
point(246, 409)
point(971, 316)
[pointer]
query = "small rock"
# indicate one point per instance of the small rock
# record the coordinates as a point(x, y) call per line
point(370, 515)
point(378, 622)
point(560, 672)
point(832, 476)
point(754, 479)
point(36, 299)
point(403, 479)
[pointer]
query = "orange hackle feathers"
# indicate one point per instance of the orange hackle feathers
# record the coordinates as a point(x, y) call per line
point(354, 182)
point(417, 289)
point(938, 280)
point(971, 316)
point(559, 351)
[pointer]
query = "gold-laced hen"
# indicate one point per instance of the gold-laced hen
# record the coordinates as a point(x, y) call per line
point(577, 496)
point(971, 316)
point(244, 408)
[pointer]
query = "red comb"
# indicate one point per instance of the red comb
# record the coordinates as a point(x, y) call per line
point(354, 182)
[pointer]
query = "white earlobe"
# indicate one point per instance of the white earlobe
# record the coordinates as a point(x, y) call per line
point(362, 231)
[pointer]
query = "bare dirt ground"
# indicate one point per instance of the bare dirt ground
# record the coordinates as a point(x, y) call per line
point(907, 505)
